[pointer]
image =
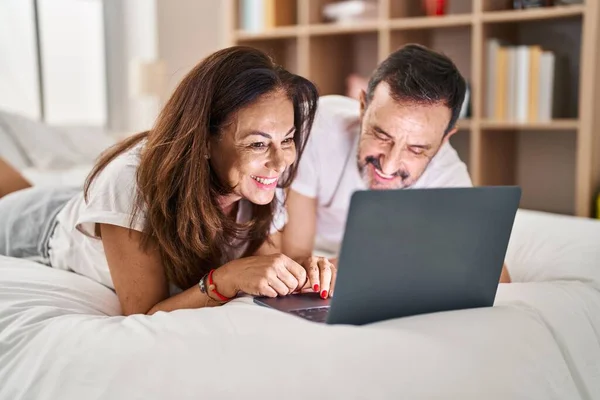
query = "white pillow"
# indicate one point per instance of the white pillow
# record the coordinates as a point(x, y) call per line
point(49, 147)
point(550, 247)
point(10, 151)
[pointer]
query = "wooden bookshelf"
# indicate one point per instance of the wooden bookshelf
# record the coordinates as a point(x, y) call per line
point(554, 125)
point(557, 163)
point(534, 14)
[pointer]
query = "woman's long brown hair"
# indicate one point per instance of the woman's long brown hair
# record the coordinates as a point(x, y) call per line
point(177, 189)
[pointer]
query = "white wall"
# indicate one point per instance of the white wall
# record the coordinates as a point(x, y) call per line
point(73, 61)
point(19, 84)
point(141, 47)
point(176, 34)
point(188, 30)
point(131, 41)
point(91, 51)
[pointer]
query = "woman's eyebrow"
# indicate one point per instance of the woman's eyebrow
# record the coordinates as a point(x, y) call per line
point(257, 133)
point(265, 135)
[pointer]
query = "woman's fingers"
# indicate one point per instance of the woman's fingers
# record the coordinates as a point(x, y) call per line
point(313, 273)
point(325, 273)
point(333, 279)
point(269, 292)
point(298, 271)
point(317, 275)
point(263, 288)
point(290, 273)
point(279, 286)
point(290, 281)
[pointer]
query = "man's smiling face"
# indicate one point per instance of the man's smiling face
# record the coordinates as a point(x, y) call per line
point(398, 139)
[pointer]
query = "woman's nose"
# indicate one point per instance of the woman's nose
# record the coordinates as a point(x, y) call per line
point(276, 160)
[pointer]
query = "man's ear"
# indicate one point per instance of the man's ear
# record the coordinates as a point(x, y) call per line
point(363, 103)
point(449, 134)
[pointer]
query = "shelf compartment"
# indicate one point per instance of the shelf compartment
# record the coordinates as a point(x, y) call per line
point(546, 170)
point(415, 8)
point(274, 33)
point(534, 14)
point(563, 39)
point(431, 22)
point(464, 124)
point(461, 142)
point(344, 54)
point(554, 125)
point(335, 29)
point(315, 13)
point(275, 14)
point(497, 158)
point(283, 51)
point(542, 163)
point(455, 42)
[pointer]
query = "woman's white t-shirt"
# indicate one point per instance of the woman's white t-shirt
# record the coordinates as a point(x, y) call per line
point(74, 245)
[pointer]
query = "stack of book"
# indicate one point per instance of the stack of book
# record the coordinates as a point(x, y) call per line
point(261, 15)
point(520, 83)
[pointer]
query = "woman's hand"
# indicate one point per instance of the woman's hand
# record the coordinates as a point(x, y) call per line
point(272, 275)
point(321, 275)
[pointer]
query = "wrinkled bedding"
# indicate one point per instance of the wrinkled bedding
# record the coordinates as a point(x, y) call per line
point(51, 155)
point(61, 337)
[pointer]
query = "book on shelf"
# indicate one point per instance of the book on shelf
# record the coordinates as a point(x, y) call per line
point(520, 83)
point(260, 15)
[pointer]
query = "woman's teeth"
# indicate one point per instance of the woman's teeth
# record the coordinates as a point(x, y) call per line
point(265, 181)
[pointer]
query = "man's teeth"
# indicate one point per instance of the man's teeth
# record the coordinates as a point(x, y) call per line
point(381, 174)
point(265, 181)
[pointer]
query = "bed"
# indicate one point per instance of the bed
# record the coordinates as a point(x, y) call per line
point(61, 337)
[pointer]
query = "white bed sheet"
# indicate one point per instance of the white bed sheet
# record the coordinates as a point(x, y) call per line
point(73, 176)
point(61, 337)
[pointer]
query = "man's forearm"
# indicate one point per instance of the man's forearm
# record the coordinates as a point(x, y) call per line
point(505, 276)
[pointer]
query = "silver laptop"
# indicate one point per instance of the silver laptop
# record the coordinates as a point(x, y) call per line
point(414, 251)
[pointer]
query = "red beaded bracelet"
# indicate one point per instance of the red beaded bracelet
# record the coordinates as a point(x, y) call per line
point(213, 287)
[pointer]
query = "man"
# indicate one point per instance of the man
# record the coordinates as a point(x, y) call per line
point(395, 137)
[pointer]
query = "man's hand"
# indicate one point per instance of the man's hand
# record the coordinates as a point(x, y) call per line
point(505, 276)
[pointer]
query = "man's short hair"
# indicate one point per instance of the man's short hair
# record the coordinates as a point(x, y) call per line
point(416, 74)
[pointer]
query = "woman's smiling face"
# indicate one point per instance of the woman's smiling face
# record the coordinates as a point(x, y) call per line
point(255, 148)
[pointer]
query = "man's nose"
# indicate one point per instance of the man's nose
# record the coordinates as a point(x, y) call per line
point(390, 161)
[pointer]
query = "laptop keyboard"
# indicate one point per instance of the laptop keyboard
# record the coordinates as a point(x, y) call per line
point(318, 314)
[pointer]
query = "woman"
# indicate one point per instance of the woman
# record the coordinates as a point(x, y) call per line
point(190, 205)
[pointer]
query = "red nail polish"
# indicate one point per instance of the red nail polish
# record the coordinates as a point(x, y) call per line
point(324, 294)
point(316, 288)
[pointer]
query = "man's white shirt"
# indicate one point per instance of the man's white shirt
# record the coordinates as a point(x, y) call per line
point(328, 170)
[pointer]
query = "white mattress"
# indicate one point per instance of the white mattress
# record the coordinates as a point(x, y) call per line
point(61, 338)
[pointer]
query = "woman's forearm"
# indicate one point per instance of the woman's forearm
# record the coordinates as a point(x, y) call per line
point(194, 298)
point(191, 298)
